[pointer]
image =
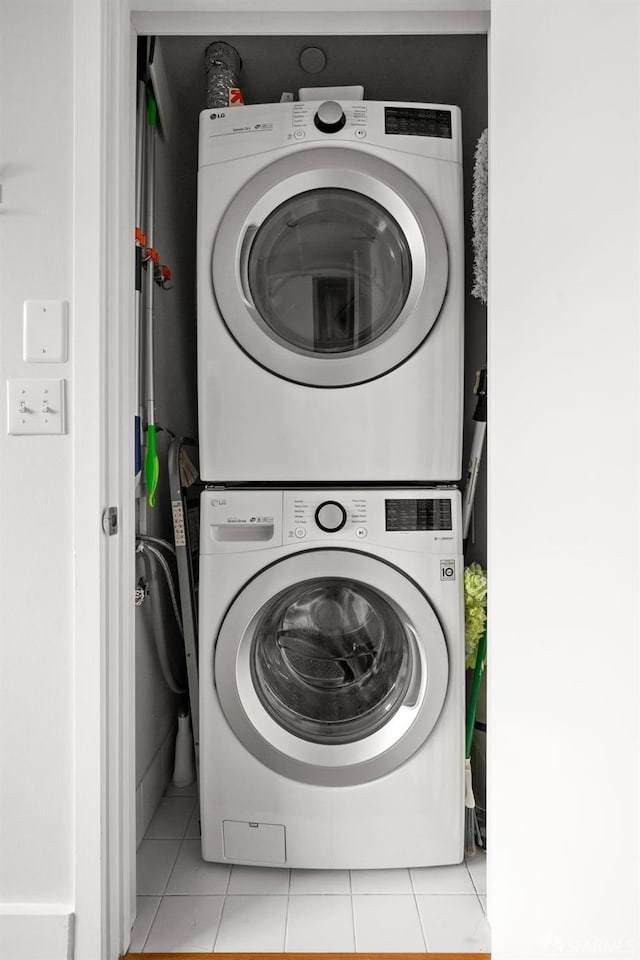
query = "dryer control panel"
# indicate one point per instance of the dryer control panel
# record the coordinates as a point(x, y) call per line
point(424, 129)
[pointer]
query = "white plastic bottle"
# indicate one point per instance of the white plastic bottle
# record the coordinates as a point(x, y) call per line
point(184, 771)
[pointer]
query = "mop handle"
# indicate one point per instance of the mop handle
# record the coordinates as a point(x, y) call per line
point(152, 464)
point(479, 431)
point(475, 690)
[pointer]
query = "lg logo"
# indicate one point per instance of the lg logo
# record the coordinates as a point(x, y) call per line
point(447, 569)
point(217, 116)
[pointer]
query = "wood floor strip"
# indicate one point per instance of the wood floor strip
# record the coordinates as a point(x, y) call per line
point(306, 956)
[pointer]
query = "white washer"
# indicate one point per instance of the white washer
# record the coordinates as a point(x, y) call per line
point(331, 677)
point(330, 293)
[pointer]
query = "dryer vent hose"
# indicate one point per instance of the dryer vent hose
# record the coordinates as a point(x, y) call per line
point(223, 64)
point(151, 553)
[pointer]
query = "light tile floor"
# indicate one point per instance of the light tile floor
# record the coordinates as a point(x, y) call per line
point(185, 904)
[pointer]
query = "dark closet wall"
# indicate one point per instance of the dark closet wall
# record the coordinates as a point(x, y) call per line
point(438, 69)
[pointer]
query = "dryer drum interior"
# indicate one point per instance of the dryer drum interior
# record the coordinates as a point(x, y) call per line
point(329, 271)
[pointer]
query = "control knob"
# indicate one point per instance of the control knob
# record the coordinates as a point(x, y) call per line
point(330, 117)
point(331, 516)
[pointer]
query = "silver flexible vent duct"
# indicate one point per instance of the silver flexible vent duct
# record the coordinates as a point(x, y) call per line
point(222, 63)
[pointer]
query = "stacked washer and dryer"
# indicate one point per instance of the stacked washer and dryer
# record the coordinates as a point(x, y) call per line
point(331, 624)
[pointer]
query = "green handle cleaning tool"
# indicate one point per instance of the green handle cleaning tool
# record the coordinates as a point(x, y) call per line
point(152, 110)
point(471, 828)
point(151, 464)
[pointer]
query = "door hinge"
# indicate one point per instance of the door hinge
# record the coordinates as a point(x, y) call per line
point(110, 521)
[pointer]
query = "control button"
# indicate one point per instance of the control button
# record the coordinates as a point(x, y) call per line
point(330, 117)
point(331, 516)
point(361, 532)
point(300, 532)
point(360, 133)
point(298, 134)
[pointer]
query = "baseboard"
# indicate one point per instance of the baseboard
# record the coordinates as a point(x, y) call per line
point(154, 783)
point(36, 931)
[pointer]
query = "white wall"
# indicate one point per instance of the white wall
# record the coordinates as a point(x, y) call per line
point(36, 840)
point(35, 501)
point(564, 484)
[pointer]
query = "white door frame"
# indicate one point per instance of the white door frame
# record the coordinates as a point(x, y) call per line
point(104, 398)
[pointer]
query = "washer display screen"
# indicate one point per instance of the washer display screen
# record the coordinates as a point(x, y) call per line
point(404, 515)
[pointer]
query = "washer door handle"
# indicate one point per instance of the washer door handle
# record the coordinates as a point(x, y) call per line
point(245, 250)
point(413, 693)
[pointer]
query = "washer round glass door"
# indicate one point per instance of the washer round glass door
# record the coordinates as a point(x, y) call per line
point(330, 267)
point(331, 667)
point(330, 660)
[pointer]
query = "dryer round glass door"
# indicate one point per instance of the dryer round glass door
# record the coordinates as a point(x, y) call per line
point(330, 267)
point(331, 667)
point(329, 271)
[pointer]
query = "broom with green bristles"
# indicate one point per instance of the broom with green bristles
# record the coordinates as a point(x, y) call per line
point(475, 581)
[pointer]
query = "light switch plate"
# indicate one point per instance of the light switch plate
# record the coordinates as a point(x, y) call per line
point(35, 406)
point(45, 331)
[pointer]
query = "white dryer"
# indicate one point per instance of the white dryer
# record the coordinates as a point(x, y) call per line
point(330, 293)
point(331, 677)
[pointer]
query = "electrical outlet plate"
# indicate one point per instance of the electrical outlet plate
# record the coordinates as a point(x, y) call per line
point(45, 331)
point(35, 407)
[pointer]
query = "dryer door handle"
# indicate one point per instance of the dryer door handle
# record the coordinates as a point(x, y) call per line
point(245, 251)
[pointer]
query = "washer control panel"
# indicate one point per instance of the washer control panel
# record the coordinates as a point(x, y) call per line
point(424, 520)
point(319, 515)
point(236, 520)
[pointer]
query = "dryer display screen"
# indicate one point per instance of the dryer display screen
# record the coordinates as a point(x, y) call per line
point(404, 515)
point(417, 122)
